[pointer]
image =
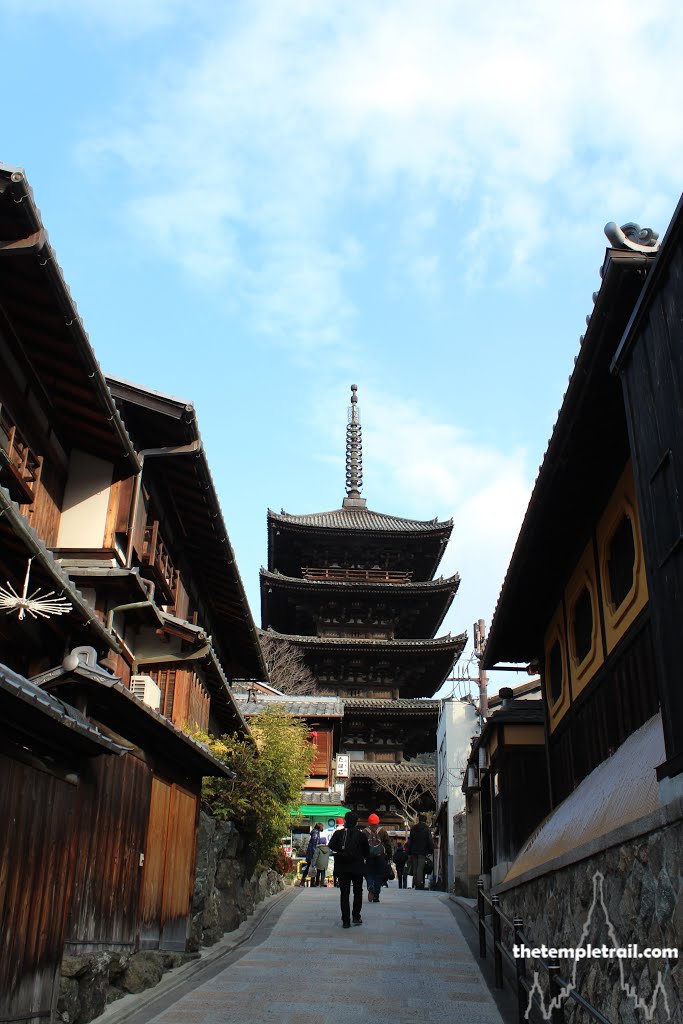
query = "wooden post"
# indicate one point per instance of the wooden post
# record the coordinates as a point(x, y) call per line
point(481, 910)
point(520, 967)
point(497, 939)
point(554, 987)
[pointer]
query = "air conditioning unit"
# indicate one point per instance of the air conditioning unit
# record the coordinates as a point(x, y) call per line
point(146, 690)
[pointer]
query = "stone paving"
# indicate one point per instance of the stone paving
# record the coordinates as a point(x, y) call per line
point(408, 962)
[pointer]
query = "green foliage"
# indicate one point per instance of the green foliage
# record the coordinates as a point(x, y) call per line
point(270, 773)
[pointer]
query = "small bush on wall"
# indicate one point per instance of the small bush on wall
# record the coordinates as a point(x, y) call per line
point(270, 773)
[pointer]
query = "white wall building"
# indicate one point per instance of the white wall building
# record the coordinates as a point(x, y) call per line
point(458, 723)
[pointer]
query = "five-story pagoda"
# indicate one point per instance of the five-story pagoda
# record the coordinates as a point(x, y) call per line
point(354, 590)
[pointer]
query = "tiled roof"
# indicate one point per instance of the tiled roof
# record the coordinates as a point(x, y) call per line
point(362, 519)
point(416, 706)
point(441, 583)
point(307, 706)
point(503, 643)
point(439, 643)
point(26, 692)
point(519, 711)
point(382, 769)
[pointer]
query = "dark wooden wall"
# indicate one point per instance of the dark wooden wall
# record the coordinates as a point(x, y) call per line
point(38, 812)
point(621, 698)
point(523, 799)
point(113, 825)
point(651, 369)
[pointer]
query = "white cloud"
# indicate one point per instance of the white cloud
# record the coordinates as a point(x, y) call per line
point(512, 118)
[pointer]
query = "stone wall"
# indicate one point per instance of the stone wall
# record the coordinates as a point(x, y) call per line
point(636, 891)
point(227, 889)
point(460, 884)
point(226, 886)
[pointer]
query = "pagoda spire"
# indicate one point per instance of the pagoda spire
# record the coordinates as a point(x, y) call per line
point(354, 455)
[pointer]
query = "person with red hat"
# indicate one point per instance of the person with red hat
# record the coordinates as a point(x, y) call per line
point(379, 857)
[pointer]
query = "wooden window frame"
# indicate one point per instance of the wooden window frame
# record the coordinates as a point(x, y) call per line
point(556, 633)
point(585, 575)
point(618, 619)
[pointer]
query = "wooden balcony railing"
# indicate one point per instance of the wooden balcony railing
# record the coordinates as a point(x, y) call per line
point(19, 465)
point(156, 559)
point(352, 575)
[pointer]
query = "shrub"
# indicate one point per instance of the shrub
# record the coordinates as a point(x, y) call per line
point(282, 862)
point(270, 772)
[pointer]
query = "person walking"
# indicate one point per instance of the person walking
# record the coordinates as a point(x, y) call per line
point(321, 858)
point(338, 825)
point(400, 860)
point(310, 850)
point(379, 857)
point(420, 846)
point(350, 848)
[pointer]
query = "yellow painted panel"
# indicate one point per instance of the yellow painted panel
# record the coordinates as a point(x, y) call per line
point(585, 575)
point(623, 502)
point(523, 735)
point(555, 632)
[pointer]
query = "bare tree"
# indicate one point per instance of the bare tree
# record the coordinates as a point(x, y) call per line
point(285, 664)
point(408, 789)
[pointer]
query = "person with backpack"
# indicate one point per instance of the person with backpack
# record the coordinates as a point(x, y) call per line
point(379, 857)
point(350, 848)
point(400, 860)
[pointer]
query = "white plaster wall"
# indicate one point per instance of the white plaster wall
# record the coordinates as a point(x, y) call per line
point(458, 723)
point(86, 500)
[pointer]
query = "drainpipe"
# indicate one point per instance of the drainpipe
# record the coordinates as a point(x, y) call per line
point(183, 449)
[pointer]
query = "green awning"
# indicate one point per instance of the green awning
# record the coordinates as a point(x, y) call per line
point(320, 812)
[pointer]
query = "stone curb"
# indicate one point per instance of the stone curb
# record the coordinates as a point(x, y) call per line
point(123, 1009)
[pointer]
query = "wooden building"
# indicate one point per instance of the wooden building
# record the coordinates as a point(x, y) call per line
point(592, 594)
point(123, 598)
point(354, 591)
point(47, 747)
point(506, 782)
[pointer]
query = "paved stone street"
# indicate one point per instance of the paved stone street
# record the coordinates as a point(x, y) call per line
point(409, 961)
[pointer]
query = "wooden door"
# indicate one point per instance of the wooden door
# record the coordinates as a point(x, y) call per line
point(154, 867)
point(168, 873)
point(179, 875)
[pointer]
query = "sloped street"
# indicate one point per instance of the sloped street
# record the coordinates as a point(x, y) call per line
point(409, 962)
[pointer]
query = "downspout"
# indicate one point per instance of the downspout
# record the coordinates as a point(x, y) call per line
point(183, 449)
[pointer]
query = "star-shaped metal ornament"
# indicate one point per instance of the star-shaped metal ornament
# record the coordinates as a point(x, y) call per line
point(36, 604)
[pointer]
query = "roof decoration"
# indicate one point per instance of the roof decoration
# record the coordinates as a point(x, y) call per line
point(632, 236)
point(354, 455)
point(36, 604)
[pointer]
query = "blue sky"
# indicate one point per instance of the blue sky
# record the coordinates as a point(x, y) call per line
point(256, 204)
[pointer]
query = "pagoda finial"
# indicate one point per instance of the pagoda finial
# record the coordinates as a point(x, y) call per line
point(354, 455)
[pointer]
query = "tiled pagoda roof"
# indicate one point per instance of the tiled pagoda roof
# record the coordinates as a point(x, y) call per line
point(362, 519)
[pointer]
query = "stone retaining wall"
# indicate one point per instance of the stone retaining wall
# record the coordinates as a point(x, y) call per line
point(227, 889)
point(642, 891)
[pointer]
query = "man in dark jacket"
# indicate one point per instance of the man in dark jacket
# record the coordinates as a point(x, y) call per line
point(420, 845)
point(350, 848)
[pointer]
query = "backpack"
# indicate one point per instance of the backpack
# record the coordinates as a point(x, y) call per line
point(348, 851)
point(375, 844)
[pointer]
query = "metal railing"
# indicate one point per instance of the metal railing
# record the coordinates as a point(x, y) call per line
point(502, 952)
